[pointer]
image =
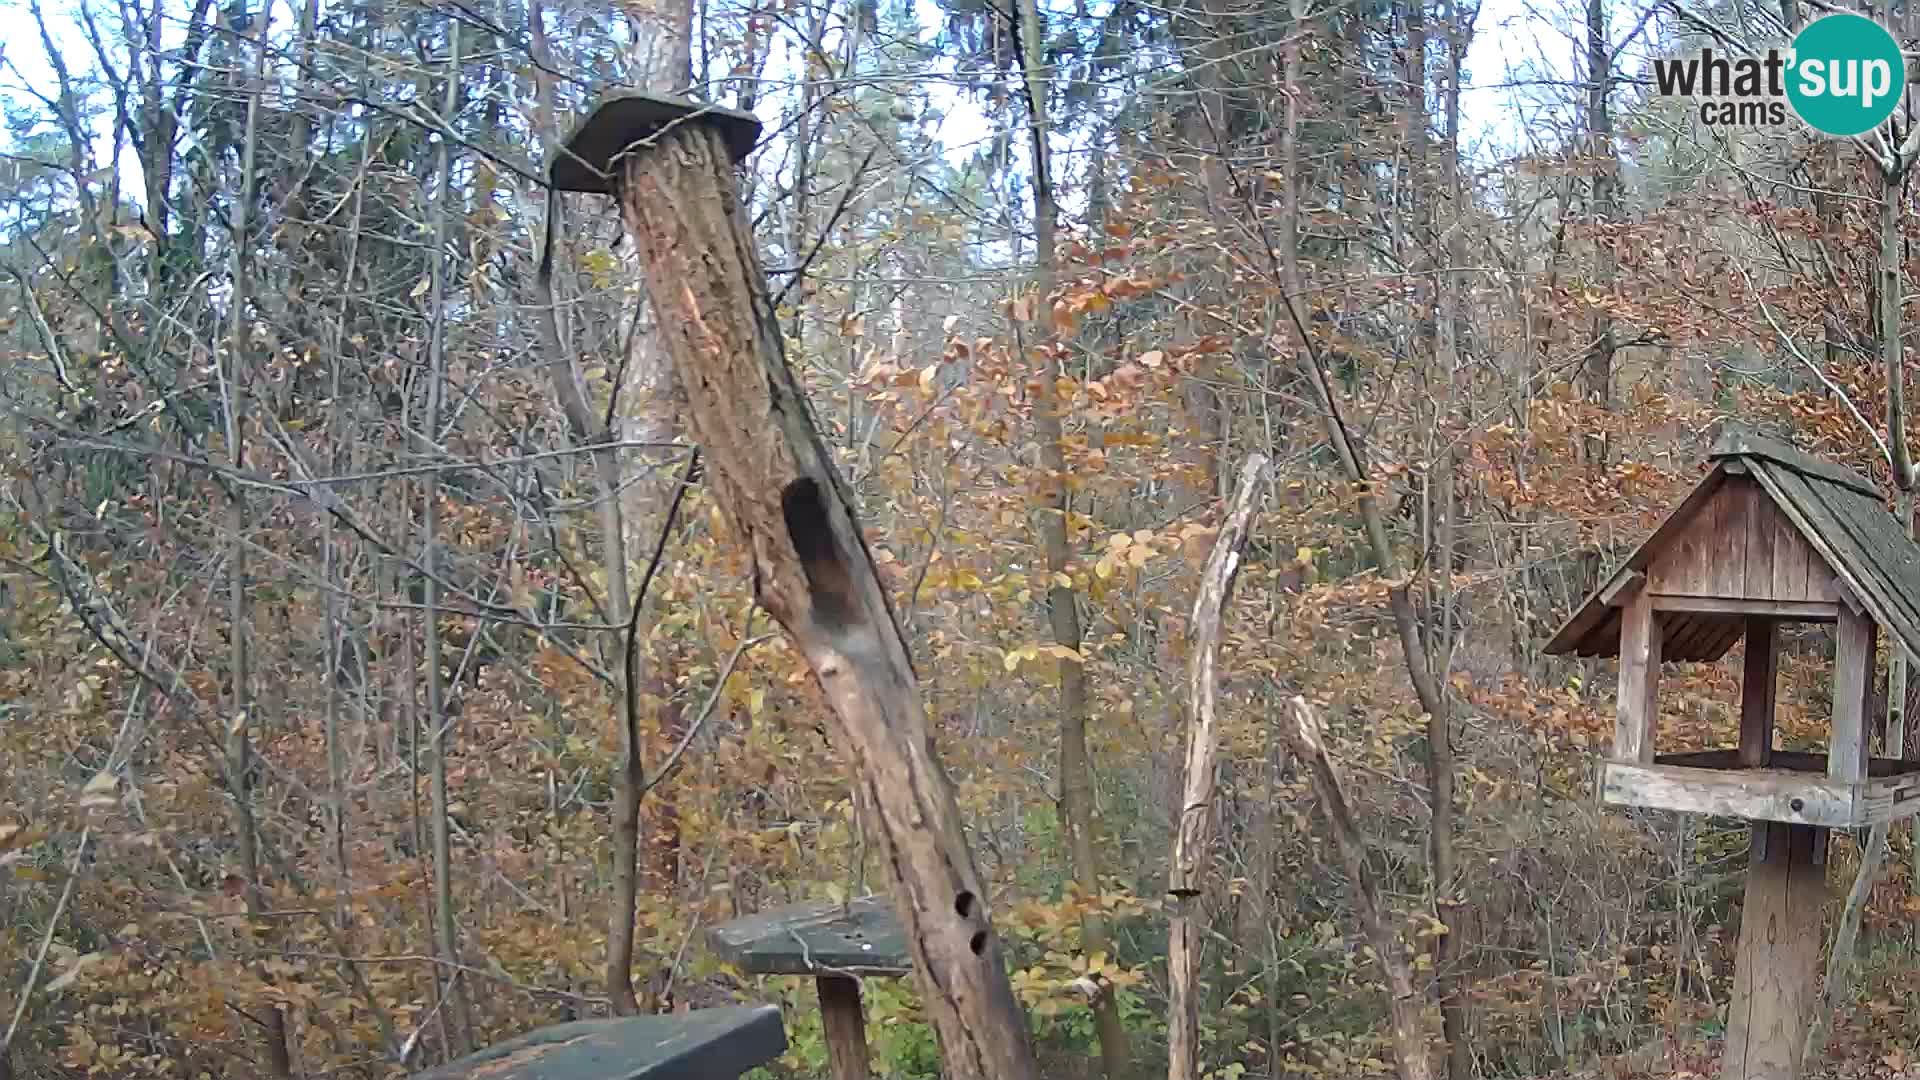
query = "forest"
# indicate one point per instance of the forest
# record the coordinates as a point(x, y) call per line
point(1235, 397)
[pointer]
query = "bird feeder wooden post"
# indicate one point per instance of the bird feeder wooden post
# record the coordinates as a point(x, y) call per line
point(670, 162)
point(837, 944)
point(1769, 536)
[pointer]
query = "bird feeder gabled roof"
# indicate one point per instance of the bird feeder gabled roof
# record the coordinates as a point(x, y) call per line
point(1790, 503)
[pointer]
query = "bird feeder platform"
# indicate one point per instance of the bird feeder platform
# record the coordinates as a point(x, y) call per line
point(1792, 788)
point(702, 1044)
point(837, 944)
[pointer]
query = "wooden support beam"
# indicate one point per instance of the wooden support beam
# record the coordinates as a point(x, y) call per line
point(1852, 679)
point(1792, 610)
point(1639, 692)
point(1758, 684)
point(1779, 953)
point(843, 1020)
point(1622, 587)
point(1849, 597)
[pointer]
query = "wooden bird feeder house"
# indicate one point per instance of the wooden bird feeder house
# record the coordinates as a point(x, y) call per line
point(1770, 536)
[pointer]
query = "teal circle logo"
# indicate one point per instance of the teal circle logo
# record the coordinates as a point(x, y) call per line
point(1846, 74)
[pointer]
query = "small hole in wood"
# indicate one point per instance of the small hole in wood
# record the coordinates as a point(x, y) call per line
point(979, 942)
point(963, 904)
point(1798, 805)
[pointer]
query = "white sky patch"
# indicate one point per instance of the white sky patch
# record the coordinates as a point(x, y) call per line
point(1525, 69)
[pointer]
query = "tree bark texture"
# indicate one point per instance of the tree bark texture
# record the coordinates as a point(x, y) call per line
point(1193, 836)
point(778, 487)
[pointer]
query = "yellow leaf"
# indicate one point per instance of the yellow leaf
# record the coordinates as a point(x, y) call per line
point(420, 290)
point(926, 377)
point(1012, 661)
point(756, 701)
point(1118, 541)
point(1103, 569)
point(1062, 580)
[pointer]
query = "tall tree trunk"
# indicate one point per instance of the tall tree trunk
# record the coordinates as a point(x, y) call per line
point(1413, 643)
point(440, 737)
point(1598, 370)
point(652, 410)
point(1440, 474)
point(651, 402)
point(239, 749)
point(1076, 779)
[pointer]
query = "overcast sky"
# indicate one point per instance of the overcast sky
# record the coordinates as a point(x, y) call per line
point(1516, 98)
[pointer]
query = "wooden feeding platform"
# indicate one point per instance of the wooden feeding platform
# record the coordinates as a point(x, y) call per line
point(837, 944)
point(703, 1044)
point(1769, 536)
point(1791, 787)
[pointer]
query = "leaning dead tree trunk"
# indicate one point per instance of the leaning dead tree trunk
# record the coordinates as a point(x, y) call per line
point(1410, 1037)
point(787, 503)
point(1194, 839)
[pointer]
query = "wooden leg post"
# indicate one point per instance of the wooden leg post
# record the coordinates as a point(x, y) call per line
point(1852, 682)
point(844, 1020)
point(1757, 684)
point(1639, 695)
point(1779, 955)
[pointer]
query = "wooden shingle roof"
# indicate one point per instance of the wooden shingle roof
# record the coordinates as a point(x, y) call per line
point(1840, 514)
